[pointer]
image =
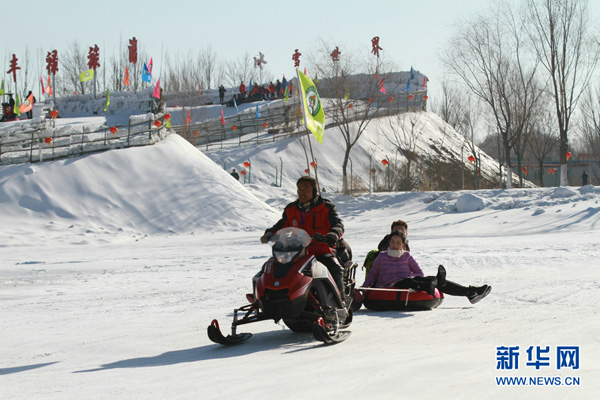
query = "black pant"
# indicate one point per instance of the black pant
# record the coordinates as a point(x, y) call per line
point(451, 288)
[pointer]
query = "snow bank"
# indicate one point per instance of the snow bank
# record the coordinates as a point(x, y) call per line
point(469, 202)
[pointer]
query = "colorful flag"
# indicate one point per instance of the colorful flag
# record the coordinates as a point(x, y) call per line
point(188, 119)
point(199, 90)
point(257, 114)
point(316, 80)
point(376, 72)
point(86, 76)
point(381, 87)
point(286, 95)
point(146, 76)
point(49, 88)
point(27, 104)
point(156, 92)
point(412, 73)
point(408, 85)
point(235, 105)
point(223, 117)
point(425, 82)
point(314, 116)
point(126, 78)
point(150, 65)
point(42, 82)
point(346, 93)
point(107, 100)
point(2, 88)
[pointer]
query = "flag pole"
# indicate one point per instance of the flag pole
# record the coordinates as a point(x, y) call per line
point(302, 100)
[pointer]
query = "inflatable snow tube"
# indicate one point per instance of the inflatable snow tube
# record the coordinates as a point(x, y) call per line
point(393, 300)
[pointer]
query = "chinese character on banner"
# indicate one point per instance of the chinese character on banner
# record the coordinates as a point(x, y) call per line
point(567, 357)
point(375, 44)
point(540, 358)
point(335, 54)
point(133, 50)
point(258, 62)
point(52, 62)
point(507, 357)
point(296, 58)
point(13, 67)
point(94, 57)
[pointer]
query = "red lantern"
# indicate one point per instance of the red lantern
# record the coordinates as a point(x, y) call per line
point(234, 128)
point(195, 133)
point(391, 99)
point(411, 96)
point(425, 97)
point(351, 106)
point(48, 140)
point(157, 123)
point(385, 162)
point(370, 100)
point(167, 116)
point(246, 164)
point(313, 164)
point(265, 125)
point(568, 155)
point(524, 169)
point(471, 159)
point(243, 172)
point(306, 171)
point(113, 130)
point(54, 113)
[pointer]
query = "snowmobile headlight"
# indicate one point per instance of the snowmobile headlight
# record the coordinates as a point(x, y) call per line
point(285, 257)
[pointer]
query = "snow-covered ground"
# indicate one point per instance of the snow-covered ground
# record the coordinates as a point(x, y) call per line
point(112, 266)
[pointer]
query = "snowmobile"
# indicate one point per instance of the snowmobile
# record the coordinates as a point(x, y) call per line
point(297, 289)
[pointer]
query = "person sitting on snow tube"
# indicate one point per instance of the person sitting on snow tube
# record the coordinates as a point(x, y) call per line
point(384, 245)
point(398, 268)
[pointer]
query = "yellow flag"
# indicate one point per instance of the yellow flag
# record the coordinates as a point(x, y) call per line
point(314, 116)
point(107, 100)
point(86, 76)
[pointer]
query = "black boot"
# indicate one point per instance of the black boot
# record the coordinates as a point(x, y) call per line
point(478, 293)
point(441, 276)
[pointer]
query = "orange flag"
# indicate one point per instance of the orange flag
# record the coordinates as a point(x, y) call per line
point(27, 105)
point(188, 119)
point(126, 79)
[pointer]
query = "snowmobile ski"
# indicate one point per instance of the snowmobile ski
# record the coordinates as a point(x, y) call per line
point(214, 334)
point(321, 334)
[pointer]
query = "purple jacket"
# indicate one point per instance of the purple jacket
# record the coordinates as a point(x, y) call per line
point(386, 269)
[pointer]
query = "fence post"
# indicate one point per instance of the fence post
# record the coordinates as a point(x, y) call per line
point(128, 132)
point(31, 148)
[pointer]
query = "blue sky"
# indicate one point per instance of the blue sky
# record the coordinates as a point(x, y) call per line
point(412, 33)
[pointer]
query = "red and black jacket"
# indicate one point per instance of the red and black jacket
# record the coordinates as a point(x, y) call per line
point(320, 217)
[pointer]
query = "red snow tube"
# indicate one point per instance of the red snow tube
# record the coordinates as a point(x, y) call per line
point(386, 300)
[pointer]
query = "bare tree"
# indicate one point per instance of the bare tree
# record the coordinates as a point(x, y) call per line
point(543, 139)
point(590, 121)
point(563, 43)
point(487, 54)
point(353, 98)
point(74, 61)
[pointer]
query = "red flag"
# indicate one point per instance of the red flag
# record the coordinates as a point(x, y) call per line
point(381, 88)
point(156, 92)
point(304, 70)
point(222, 117)
point(126, 78)
point(424, 82)
point(42, 82)
point(49, 88)
point(189, 119)
point(150, 66)
point(199, 91)
point(376, 72)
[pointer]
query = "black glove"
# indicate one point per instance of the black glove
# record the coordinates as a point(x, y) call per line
point(331, 239)
point(265, 238)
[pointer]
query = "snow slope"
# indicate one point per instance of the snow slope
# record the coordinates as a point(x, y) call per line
point(112, 266)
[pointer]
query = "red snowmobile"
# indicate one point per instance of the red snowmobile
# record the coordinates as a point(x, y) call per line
point(297, 289)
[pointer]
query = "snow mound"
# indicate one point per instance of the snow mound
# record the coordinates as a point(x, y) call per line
point(562, 191)
point(469, 202)
point(167, 188)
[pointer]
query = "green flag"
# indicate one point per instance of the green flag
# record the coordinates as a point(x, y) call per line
point(316, 80)
point(107, 100)
point(347, 94)
point(314, 116)
point(2, 88)
point(86, 76)
point(285, 95)
point(16, 109)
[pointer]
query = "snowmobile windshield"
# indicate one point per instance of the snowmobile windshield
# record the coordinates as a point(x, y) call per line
point(288, 243)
